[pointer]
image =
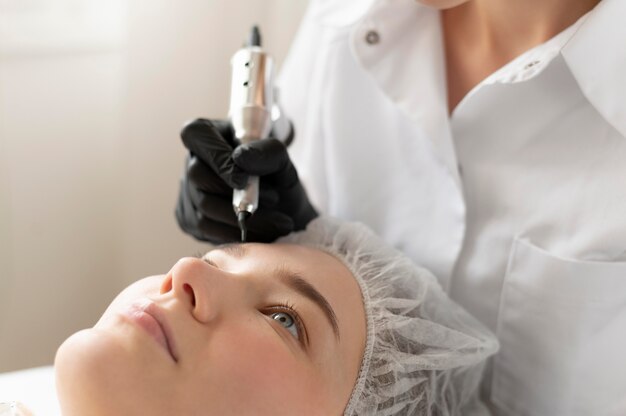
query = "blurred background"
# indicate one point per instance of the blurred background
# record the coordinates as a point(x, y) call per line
point(92, 97)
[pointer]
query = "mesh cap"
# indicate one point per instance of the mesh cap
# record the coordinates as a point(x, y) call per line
point(424, 354)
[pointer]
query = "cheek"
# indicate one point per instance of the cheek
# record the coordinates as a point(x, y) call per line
point(146, 287)
point(255, 362)
point(264, 360)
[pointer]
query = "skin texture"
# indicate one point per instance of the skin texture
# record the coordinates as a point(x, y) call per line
point(233, 357)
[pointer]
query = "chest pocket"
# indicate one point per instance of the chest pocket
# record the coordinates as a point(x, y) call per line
point(562, 329)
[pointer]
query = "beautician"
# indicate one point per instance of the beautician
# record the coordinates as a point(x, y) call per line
point(484, 138)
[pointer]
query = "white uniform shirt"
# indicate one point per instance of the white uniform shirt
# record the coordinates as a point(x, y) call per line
point(517, 202)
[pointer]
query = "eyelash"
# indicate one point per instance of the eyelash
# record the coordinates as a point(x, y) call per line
point(283, 307)
point(291, 309)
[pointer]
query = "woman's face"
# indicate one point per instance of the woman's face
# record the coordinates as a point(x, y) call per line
point(231, 345)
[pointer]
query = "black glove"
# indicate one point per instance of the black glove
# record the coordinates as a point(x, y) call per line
point(216, 164)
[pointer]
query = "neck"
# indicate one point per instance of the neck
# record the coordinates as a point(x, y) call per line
point(506, 28)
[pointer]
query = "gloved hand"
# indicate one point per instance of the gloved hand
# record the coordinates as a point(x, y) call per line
point(216, 164)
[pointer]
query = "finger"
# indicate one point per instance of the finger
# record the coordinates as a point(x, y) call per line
point(261, 157)
point(267, 225)
point(204, 178)
point(218, 232)
point(203, 139)
point(186, 215)
point(224, 233)
point(263, 221)
point(192, 221)
point(267, 158)
point(268, 197)
point(286, 178)
point(214, 207)
point(225, 128)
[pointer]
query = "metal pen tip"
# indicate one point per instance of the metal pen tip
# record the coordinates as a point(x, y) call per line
point(254, 39)
point(242, 216)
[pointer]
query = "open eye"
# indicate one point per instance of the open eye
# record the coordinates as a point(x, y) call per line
point(288, 321)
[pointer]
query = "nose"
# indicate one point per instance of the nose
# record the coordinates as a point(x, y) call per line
point(202, 288)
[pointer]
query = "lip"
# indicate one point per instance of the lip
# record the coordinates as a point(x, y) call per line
point(149, 317)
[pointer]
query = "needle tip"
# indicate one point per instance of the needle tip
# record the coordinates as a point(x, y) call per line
point(254, 39)
point(242, 216)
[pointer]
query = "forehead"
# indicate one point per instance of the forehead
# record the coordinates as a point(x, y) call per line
point(296, 256)
point(323, 270)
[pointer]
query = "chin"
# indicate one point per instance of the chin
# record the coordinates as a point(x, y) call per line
point(442, 4)
point(72, 368)
point(94, 375)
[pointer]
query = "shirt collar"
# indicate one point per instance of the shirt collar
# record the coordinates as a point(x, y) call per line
point(596, 56)
point(337, 14)
point(532, 62)
point(407, 60)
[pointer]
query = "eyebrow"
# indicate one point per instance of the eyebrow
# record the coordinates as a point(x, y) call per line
point(294, 282)
point(298, 284)
point(235, 250)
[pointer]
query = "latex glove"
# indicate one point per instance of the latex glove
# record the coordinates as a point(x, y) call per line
point(216, 164)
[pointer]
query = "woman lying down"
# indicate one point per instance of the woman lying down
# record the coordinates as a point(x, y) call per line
point(328, 321)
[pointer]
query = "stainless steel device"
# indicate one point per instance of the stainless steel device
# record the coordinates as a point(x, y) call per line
point(250, 112)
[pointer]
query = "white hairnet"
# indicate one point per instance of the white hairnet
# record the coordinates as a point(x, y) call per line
point(424, 354)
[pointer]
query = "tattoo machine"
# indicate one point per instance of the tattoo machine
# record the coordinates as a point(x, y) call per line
point(254, 112)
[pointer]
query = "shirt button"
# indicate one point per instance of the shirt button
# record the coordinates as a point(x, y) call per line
point(372, 37)
point(531, 64)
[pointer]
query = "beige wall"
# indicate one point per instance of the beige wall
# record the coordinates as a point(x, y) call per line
point(90, 109)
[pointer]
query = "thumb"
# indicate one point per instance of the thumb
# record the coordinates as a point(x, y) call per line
point(268, 158)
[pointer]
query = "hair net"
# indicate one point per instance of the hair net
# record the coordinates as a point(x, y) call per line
point(424, 354)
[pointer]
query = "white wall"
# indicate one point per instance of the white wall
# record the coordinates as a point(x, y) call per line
point(91, 103)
